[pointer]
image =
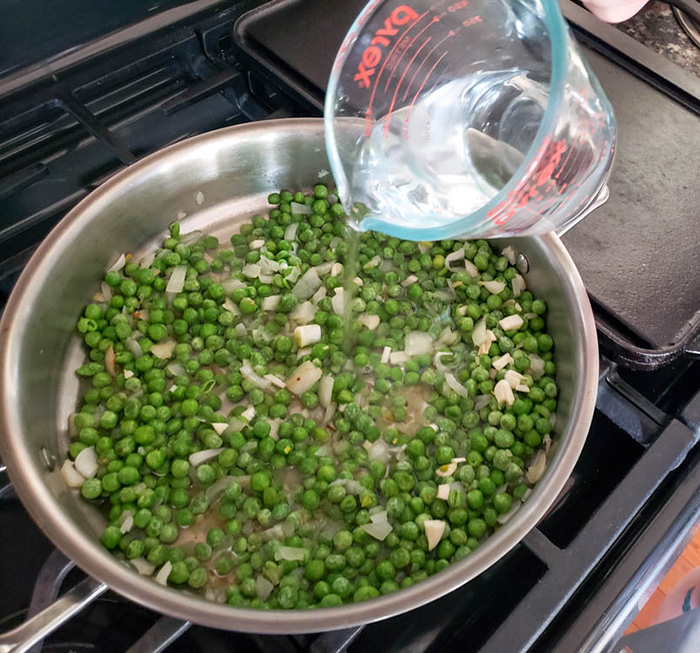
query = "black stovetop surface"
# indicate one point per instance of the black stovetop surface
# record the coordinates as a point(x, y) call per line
point(639, 470)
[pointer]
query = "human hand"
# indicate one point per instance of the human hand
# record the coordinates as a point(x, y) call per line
point(614, 11)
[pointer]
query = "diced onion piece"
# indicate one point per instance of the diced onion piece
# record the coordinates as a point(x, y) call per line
point(514, 378)
point(289, 553)
point(325, 391)
point(411, 278)
point(494, 287)
point(263, 587)
point(305, 351)
point(318, 295)
point(339, 302)
point(118, 264)
point(127, 523)
point(378, 530)
point(256, 244)
point(418, 343)
point(372, 263)
point(509, 253)
point(479, 332)
point(219, 427)
point(144, 567)
point(191, 238)
point(164, 573)
point(303, 313)
point(511, 322)
point(336, 269)
point(455, 385)
point(398, 357)
point(252, 271)
point(522, 388)
point(350, 484)
point(229, 306)
point(110, 362)
point(472, 270)
point(275, 380)
point(133, 347)
point(454, 256)
point(386, 355)
point(248, 373)
point(177, 279)
point(481, 402)
point(518, 284)
point(503, 361)
point(324, 268)
point(446, 470)
point(199, 197)
point(504, 393)
point(307, 335)
point(536, 366)
point(502, 519)
point(232, 284)
point(290, 233)
point(437, 360)
point(370, 321)
point(163, 349)
point(106, 292)
point(249, 413)
point(443, 491)
point(378, 450)
point(307, 285)
point(196, 459)
point(378, 515)
point(434, 529)
point(147, 260)
point(461, 459)
point(547, 441)
point(128, 374)
point(71, 475)
point(86, 462)
point(303, 378)
point(301, 209)
point(270, 303)
point(486, 345)
point(536, 469)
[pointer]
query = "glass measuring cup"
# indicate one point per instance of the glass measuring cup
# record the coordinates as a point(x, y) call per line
point(457, 118)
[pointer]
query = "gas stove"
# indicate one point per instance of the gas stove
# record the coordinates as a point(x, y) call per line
point(84, 102)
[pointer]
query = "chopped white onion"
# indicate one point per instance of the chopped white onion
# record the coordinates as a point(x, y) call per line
point(479, 332)
point(308, 334)
point(110, 362)
point(303, 313)
point(289, 553)
point(290, 233)
point(177, 279)
point(256, 244)
point(191, 238)
point(146, 261)
point(204, 456)
point(518, 284)
point(536, 469)
point(418, 343)
point(307, 285)
point(232, 284)
point(318, 295)
point(514, 378)
point(106, 292)
point(128, 374)
point(263, 588)
point(275, 380)
point(494, 287)
point(481, 402)
point(324, 268)
point(163, 349)
point(336, 269)
point(176, 368)
point(199, 197)
point(133, 347)
point(443, 492)
point(219, 486)
point(350, 484)
point(386, 355)
point(378, 515)
point(303, 378)
point(252, 271)
point(164, 573)
point(398, 357)
point(86, 462)
point(369, 321)
point(522, 388)
point(504, 393)
point(232, 308)
point(378, 530)
point(536, 366)
point(547, 441)
point(434, 529)
point(330, 412)
point(486, 345)
point(454, 256)
point(249, 374)
point(511, 322)
point(127, 523)
point(249, 413)
point(71, 475)
point(455, 385)
point(411, 278)
point(472, 270)
point(118, 264)
point(144, 567)
point(437, 360)
point(325, 391)
point(302, 209)
point(502, 519)
point(305, 351)
point(446, 470)
point(379, 450)
point(270, 303)
point(372, 263)
point(509, 253)
point(447, 337)
point(503, 361)
point(219, 427)
point(339, 302)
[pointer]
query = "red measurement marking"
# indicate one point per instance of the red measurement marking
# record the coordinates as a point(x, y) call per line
point(413, 40)
point(368, 113)
point(457, 6)
point(423, 83)
point(474, 20)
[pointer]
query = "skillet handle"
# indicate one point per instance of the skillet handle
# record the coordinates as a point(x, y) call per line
point(23, 637)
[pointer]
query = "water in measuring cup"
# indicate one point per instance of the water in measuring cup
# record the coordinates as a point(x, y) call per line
point(449, 154)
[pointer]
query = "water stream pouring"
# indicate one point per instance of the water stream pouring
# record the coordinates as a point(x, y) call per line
point(466, 118)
